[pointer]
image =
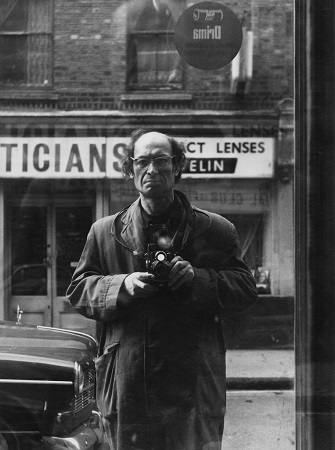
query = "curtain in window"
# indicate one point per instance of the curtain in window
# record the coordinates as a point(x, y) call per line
point(157, 64)
point(39, 45)
point(153, 61)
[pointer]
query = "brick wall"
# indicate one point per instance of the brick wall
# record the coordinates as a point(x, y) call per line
point(89, 52)
point(90, 59)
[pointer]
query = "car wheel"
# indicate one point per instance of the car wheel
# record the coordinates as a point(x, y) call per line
point(9, 439)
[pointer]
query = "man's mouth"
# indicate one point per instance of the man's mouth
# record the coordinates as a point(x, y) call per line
point(151, 180)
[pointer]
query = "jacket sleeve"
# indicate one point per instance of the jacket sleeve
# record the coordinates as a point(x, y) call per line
point(226, 286)
point(93, 292)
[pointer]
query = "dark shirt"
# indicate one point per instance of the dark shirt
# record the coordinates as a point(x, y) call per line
point(161, 229)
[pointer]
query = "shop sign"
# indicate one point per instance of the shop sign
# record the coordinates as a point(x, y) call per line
point(208, 35)
point(96, 157)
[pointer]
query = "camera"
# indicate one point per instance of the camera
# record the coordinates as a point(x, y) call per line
point(158, 263)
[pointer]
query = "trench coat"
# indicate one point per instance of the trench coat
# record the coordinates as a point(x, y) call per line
point(161, 374)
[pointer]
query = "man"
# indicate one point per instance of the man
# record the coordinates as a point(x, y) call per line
point(161, 276)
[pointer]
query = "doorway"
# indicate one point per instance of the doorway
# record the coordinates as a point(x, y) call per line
point(48, 234)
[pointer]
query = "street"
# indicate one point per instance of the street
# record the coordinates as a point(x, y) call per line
point(260, 420)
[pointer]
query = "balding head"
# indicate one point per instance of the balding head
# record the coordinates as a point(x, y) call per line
point(151, 138)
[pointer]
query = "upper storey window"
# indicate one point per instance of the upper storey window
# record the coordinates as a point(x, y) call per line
point(25, 42)
point(153, 62)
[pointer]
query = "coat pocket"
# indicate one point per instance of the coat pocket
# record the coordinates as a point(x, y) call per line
point(106, 390)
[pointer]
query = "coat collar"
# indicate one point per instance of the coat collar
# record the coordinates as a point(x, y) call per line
point(131, 233)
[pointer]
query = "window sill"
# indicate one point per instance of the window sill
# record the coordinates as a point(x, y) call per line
point(19, 94)
point(149, 96)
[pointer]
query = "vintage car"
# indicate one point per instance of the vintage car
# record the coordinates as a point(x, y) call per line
point(47, 389)
point(31, 279)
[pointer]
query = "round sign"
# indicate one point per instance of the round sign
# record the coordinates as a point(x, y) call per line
point(208, 35)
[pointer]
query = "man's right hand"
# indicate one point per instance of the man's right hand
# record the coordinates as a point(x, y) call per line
point(140, 284)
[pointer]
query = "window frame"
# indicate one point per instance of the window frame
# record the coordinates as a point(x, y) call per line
point(50, 59)
point(155, 86)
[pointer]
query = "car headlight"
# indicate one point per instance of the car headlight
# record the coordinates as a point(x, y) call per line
point(78, 379)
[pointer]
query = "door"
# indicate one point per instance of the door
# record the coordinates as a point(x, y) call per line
point(47, 238)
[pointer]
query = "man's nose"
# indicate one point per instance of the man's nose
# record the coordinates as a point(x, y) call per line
point(151, 167)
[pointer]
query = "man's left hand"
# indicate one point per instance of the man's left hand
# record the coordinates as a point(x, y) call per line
point(182, 273)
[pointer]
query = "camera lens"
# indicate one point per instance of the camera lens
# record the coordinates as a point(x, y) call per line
point(160, 256)
point(161, 271)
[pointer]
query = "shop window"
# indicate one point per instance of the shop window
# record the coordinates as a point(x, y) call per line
point(25, 42)
point(250, 231)
point(153, 62)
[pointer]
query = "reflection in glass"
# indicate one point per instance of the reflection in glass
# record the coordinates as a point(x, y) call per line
point(29, 251)
point(72, 226)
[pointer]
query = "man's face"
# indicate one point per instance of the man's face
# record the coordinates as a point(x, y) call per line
point(152, 180)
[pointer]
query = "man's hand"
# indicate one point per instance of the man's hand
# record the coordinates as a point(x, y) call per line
point(182, 273)
point(140, 284)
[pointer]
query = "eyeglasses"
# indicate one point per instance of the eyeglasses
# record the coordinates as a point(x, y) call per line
point(161, 162)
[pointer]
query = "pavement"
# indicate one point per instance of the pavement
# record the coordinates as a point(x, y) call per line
point(260, 400)
point(259, 420)
point(260, 369)
point(260, 411)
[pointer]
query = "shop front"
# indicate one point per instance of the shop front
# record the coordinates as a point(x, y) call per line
point(59, 174)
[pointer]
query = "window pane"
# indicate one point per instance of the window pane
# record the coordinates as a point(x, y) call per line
point(22, 15)
point(250, 231)
point(26, 59)
point(29, 251)
point(13, 51)
point(72, 226)
point(13, 15)
point(153, 63)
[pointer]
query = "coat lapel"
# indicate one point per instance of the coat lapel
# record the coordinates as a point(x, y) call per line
point(132, 233)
